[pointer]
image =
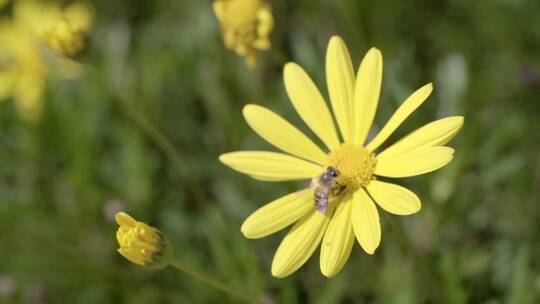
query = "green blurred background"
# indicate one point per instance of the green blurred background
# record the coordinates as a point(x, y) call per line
point(161, 75)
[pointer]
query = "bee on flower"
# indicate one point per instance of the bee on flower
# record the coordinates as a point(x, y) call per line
point(343, 202)
point(245, 26)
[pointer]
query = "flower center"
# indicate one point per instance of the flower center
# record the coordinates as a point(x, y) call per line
point(355, 165)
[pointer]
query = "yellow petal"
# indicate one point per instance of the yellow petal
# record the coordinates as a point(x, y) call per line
point(300, 243)
point(393, 198)
point(278, 214)
point(365, 221)
point(340, 82)
point(132, 255)
point(28, 95)
point(436, 133)
point(338, 240)
point(6, 84)
point(265, 23)
point(219, 9)
point(413, 163)
point(282, 134)
point(309, 104)
point(408, 106)
point(270, 166)
point(80, 15)
point(124, 219)
point(366, 93)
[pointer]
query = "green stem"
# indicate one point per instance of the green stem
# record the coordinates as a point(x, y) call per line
point(210, 281)
point(127, 106)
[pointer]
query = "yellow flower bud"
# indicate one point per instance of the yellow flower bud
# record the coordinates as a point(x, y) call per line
point(142, 244)
point(245, 26)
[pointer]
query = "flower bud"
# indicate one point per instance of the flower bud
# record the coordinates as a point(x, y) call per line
point(142, 244)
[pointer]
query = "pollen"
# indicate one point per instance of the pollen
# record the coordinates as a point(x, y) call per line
point(355, 165)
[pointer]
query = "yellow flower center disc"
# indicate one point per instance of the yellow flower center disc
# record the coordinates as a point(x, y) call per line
point(355, 165)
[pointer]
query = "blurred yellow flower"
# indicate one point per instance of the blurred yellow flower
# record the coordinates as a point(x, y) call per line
point(63, 30)
point(142, 244)
point(245, 26)
point(22, 72)
point(351, 210)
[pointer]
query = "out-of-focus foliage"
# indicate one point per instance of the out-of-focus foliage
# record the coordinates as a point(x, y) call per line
point(91, 154)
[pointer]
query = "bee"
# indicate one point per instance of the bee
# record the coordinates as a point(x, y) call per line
point(324, 185)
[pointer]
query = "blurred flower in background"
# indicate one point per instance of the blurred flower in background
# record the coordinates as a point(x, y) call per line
point(245, 26)
point(351, 210)
point(24, 63)
point(22, 71)
point(142, 244)
point(63, 30)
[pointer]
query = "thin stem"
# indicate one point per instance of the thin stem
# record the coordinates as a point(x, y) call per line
point(210, 281)
point(162, 142)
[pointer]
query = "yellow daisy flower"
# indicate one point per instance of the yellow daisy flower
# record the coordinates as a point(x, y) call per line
point(352, 209)
point(23, 65)
point(245, 26)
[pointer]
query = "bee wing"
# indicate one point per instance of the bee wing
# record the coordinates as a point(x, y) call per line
point(322, 195)
point(313, 182)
